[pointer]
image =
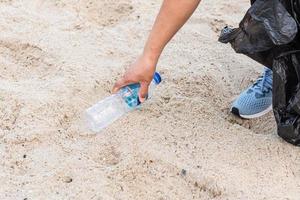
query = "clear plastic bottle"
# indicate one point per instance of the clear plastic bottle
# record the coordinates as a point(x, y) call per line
point(115, 106)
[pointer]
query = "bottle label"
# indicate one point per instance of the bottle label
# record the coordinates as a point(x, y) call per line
point(130, 95)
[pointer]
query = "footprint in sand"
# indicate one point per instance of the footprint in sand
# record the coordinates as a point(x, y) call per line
point(104, 155)
point(6, 1)
point(103, 13)
point(9, 112)
point(21, 61)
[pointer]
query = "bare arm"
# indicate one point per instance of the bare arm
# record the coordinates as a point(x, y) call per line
point(172, 16)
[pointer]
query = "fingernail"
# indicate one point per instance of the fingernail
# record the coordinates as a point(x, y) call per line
point(142, 100)
point(114, 90)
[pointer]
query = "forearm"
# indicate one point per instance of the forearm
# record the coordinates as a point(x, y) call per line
point(172, 16)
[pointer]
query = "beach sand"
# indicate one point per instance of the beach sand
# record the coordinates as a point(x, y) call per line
point(58, 57)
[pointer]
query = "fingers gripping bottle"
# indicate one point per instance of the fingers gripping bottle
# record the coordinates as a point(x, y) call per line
point(115, 106)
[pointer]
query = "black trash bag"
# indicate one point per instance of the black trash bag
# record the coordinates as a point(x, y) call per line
point(269, 34)
point(286, 96)
point(266, 26)
point(267, 23)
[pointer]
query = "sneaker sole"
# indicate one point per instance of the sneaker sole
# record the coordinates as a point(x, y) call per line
point(236, 112)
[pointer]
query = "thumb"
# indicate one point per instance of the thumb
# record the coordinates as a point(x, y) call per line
point(143, 93)
point(119, 84)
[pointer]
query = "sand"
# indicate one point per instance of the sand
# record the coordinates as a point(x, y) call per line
point(58, 57)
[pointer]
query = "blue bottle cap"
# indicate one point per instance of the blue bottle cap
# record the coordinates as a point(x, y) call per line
point(157, 78)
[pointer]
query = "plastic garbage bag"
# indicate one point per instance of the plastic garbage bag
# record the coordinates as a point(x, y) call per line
point(286, 96)
point(269, 34)
point(266, 26)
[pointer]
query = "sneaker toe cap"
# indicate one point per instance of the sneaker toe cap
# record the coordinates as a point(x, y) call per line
point(248, 105)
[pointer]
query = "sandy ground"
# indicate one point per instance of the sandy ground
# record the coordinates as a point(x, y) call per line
point(58, 57)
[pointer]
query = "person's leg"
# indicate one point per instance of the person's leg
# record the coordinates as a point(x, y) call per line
point(257, 99)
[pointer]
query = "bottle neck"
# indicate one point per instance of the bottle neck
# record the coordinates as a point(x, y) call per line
point(152, 87)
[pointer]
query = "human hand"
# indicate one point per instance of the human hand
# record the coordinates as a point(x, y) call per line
point(141, 71)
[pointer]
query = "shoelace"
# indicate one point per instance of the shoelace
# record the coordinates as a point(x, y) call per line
point(264, 83)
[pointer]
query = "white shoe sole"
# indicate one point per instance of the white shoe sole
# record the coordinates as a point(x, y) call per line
point(257, 114)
